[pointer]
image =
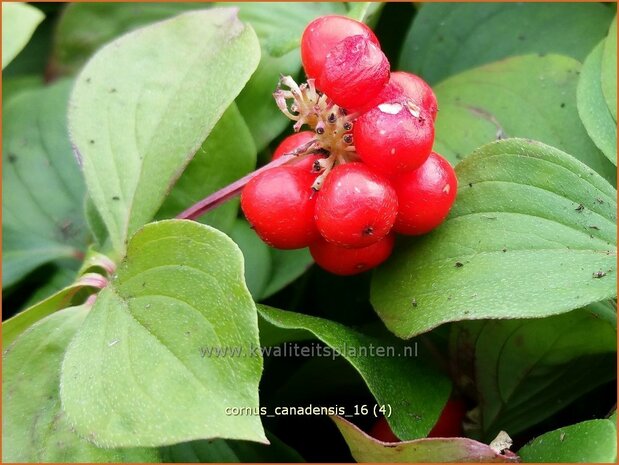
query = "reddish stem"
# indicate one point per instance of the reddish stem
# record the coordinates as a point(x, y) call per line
point(228, 192)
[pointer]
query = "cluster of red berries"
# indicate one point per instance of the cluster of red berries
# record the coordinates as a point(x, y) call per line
point(366, 170)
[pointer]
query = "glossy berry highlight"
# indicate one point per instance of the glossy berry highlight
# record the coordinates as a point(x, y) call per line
point(394, 136)
point(346, 261)
point(324, 33)
point(356, 207)
point(279, 204)
point(425, 196)
point(412, 87)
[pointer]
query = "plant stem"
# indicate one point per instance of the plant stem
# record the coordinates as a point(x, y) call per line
point(217, 198)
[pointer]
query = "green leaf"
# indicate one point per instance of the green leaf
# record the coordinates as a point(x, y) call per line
point(34, 57)
point(58, 278)
point(227, 155)
point(366, 12)
point(25, 252)
point(16, 325)
point(12, 86)
point(256, 103)
point(286, 266)
point(365, 448)
point(592, 106)
point(84, 27)
point(609, 69)
point(415, 390)
point(447, 38)
point(593, 441)
point(267, 270)
point(532, 234)
point(95, 222)
point(527, 96)
point(544, 364)
point(275, 22)
point(34, 427)
point(179, 293)
point(145, 103)
point(41, 183)
point(220, 451)
point(256, 255)
point(19, 21)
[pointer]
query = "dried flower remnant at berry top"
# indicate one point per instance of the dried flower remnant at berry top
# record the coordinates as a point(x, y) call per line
point(331, 123)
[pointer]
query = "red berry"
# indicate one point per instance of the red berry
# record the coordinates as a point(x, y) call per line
point(279, 204)
point(394, 137)
point(322, 34)
point(382, 431)
point(345, 261)
point(293, 142)
point(356, 207)
point(425, 196)
point(411, 86)
point(355, 71)
point(449, 424)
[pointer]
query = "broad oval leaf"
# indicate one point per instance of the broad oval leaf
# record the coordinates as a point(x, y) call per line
point(415, 390)
point(227, 154)
point(221, 451)
point(145, 103)
point(256, 254)
point(593, 108)
point(544, 364)
point(593, 441)
point(286, 266)
point(532, 234)
point(85, 27)
point(19, 21)
point(142, 350)
point(14, 85)
point(365, 448)
point(268, 270)
point(34, 427)
point(447, 38)
point(527, 96)
point(42, 186)
point(609, 69)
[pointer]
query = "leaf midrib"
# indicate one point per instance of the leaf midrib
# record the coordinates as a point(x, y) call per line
point(209, 56)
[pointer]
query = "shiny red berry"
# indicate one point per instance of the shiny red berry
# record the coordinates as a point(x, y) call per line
point(449, 424)
point(411, 86)
point(279, 204)
point(322, 34)
point(356, 206)
point(345, 261)
point(425, 196)
point(293, 142)
point(355, 71)
point(382, 431)
point(394, 137)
